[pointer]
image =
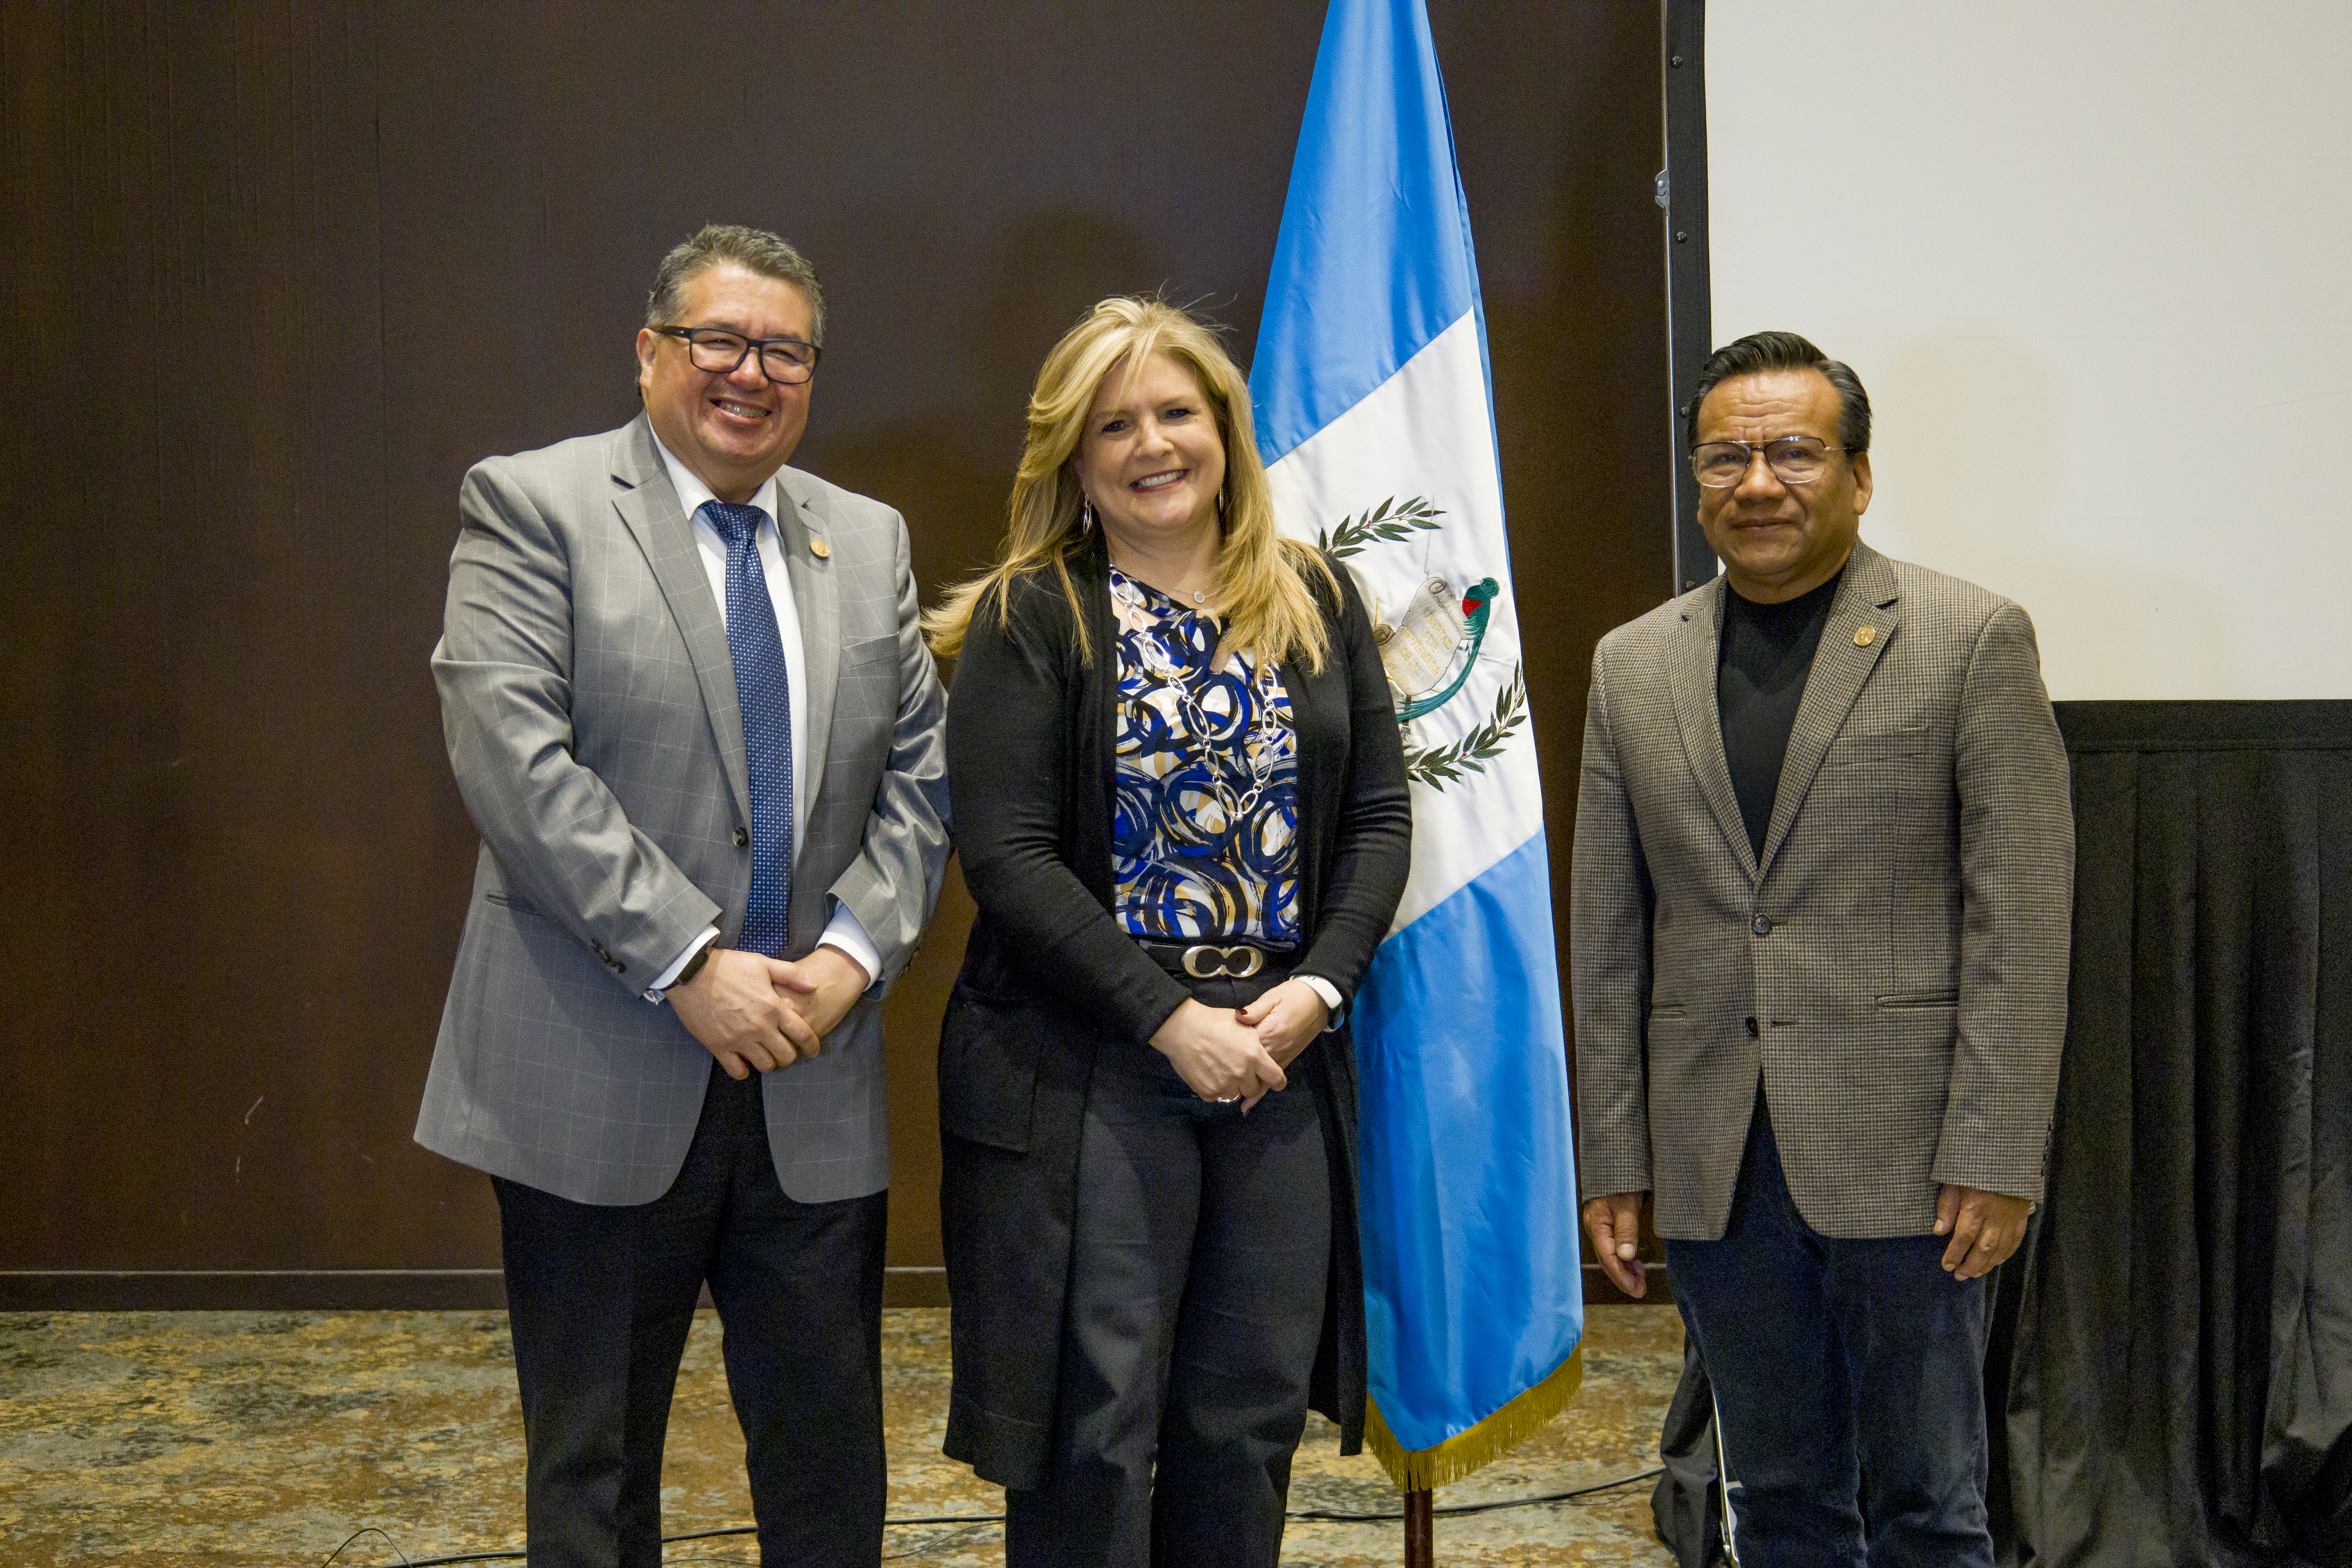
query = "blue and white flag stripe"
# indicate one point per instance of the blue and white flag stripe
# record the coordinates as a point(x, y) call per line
point(1375, 219)
point(1372, 388)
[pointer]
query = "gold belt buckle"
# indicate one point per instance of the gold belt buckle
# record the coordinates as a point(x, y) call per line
point(1197, 962)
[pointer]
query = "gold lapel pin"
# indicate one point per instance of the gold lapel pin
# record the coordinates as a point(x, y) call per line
point(1862, 637)
point(819, 548)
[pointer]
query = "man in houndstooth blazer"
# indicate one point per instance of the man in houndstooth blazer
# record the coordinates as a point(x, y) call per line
point(656, 1108)
point(1824, 872)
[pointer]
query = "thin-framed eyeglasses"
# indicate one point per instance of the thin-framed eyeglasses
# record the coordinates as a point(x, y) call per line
point(1793, 459)
point(717, 351)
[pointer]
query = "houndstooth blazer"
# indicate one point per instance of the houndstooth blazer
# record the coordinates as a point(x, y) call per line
point(588, 702)
point(1893, 966)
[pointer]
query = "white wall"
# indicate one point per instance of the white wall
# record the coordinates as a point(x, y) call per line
point(2093, 262)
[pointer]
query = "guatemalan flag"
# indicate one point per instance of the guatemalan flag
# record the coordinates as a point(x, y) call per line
point(1375, 415)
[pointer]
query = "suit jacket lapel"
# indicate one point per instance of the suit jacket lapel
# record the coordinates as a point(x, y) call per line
point(1697, 653)
point(1867, 595)
point(802, 515)
point(650, 508)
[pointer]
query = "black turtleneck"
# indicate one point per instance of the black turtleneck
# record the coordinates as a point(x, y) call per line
point(1768, 651)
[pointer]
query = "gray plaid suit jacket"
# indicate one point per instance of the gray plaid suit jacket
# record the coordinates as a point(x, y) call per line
point(588, 701)
point(1894, 967)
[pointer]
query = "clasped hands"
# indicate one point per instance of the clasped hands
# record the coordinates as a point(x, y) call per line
point(1239, 1053)
point(756, 1013)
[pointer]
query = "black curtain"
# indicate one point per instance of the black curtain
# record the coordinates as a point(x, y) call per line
point(2170, 1371)
point(2179, 1387)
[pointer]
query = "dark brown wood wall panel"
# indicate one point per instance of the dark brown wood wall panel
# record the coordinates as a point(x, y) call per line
point(272, 277)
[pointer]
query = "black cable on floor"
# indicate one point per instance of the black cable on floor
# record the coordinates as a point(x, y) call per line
point(1303, 1515)
point(1332, 1516)
point(366, 1530)
point(667, 1540)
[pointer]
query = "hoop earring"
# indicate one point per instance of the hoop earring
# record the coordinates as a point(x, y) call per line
point(1086, 514)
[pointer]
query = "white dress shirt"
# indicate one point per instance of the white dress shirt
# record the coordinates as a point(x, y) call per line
point(843, 931)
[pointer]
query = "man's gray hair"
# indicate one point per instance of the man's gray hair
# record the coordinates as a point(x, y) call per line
point(1784, 351)
point(754, 249)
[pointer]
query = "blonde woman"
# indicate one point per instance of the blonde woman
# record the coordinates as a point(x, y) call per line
point(1180, 804)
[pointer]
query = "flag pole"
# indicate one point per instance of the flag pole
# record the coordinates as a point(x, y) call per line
point(1420, 1550)
point(1374, 412)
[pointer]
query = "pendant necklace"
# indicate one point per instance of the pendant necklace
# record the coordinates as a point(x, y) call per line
point(1198, 595)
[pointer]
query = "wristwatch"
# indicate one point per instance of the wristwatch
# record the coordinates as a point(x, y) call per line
point(693, 968)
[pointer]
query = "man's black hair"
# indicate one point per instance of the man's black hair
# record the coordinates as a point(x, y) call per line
point(1785, 351)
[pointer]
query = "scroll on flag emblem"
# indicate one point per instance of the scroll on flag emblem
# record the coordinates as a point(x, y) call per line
point(1375, 417)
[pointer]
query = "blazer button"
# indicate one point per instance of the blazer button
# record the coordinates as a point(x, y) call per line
point(743, 836)
point(1762, 926)
point(1753, 1032)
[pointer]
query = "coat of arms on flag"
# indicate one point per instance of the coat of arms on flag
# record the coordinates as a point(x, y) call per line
point(1430, 643)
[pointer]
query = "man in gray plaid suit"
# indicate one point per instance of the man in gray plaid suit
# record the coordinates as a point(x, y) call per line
point(1824, 866)
point(687, 704)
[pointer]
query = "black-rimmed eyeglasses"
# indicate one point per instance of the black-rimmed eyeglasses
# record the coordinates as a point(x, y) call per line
point(717, 351)
point(1793, 459)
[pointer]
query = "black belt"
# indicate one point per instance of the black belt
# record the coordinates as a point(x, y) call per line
point(1218, 960)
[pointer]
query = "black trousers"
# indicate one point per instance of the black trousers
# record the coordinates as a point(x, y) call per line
point(1200, 1255)
point(1848, 1375)
point(600, 1300)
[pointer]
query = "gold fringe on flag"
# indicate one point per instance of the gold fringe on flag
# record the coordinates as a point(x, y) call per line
point(1426, 1469)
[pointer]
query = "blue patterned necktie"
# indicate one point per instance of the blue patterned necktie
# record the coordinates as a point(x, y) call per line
point(763, 691)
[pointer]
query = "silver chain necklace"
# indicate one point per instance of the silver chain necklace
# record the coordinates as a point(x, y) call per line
point(1258, 760)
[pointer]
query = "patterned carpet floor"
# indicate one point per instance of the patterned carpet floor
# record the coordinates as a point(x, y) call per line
point(267, 1439)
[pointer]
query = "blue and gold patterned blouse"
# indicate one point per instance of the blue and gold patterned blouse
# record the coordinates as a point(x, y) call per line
point(1205, 828)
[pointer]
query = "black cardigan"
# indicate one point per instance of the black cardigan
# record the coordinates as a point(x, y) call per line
point(1048, 978)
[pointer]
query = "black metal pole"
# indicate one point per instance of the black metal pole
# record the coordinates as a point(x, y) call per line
point(1682, 190)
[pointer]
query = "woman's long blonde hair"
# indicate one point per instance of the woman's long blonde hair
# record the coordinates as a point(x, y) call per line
point(1261, 590)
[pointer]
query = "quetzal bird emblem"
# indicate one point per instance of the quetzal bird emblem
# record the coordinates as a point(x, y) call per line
point(1430, 648)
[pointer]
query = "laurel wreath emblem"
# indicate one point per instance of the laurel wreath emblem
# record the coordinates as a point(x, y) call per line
point(1391, 522)
point(1438, 766)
